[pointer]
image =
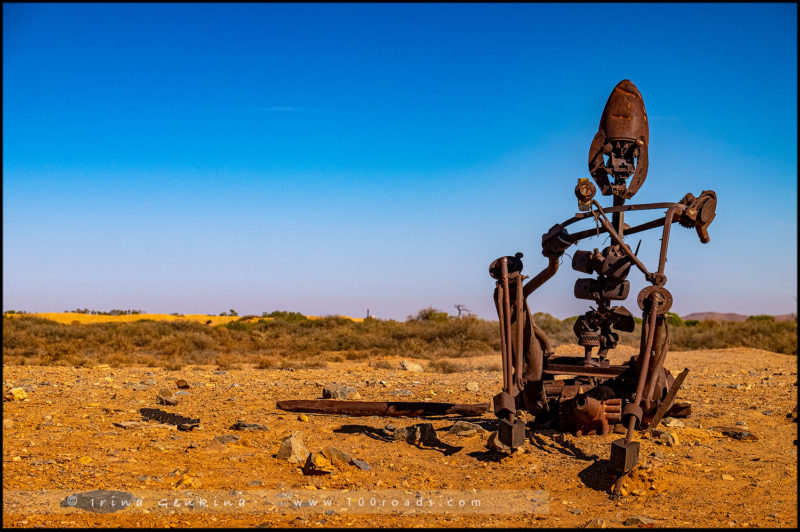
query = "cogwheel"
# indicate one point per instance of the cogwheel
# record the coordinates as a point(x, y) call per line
point(685, 223)
point(686, 199)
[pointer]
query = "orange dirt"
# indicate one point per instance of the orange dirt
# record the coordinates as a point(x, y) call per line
point(62, 440)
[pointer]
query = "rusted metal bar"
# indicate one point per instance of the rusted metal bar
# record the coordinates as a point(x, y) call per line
point(587, 371)
point(630, 231)
point(379, 408)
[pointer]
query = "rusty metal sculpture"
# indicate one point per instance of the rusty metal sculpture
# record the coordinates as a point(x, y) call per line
point(597, 395)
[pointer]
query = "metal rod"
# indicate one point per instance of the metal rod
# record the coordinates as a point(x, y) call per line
point(541, 277)
point(519, 330)
point(507, 311)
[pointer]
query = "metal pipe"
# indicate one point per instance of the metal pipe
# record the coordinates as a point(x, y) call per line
point(520, 329)
point(651, 329)
point(541, 277)
point(507, 312)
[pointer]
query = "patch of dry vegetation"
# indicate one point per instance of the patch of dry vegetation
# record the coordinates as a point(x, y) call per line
point(290, 340)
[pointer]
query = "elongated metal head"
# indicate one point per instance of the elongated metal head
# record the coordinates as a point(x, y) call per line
point(619, 149)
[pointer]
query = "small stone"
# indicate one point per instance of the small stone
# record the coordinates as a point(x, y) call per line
point(361, 464)
point(665, 437)
point(575, 511)
point(658, 455)
point(768, 412)
point(737, 433)
point(401, 392)
point(182, 384)
point(149, 382)
point(255, 483)
point(165, 397)
point(8, 424)
point(727, 477)
point(226, 438)
point(410, 366)
point(103, 366)
point(639, 520)
point(595, 523)
point(472, 386)
point(559, 437)
point(139, 387)
point(316, 464)
point(343, 392)
point(241, 425)
point(336, 456)
point(303, 418)
point(673, 422)
point(16, 394)
point(292, 449)
point(465, 428)
point(181, 392)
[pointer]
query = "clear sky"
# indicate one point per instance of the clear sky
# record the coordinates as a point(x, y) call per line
point(328, 159)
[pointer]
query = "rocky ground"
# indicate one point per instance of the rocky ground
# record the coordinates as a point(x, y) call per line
point(75, 430)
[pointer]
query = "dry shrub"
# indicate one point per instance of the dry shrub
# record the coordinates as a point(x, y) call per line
point(382, 364)
point(302, 364)
point(265, 362)
point(445, 366)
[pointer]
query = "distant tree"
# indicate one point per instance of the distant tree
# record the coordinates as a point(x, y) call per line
point(761, 317)
point(461, 308)
point(223, 313)
point(233, 312)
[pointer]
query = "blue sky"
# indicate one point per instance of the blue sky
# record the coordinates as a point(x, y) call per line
point(328, 159)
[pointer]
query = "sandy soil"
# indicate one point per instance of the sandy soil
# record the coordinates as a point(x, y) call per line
point(62, 440)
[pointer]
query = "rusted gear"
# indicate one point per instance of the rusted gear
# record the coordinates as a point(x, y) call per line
point(661, 298)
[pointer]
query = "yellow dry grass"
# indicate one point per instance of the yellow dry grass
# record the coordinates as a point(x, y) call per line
point(72, 317)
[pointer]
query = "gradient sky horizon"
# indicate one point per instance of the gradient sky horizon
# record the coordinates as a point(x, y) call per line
point(330, 159)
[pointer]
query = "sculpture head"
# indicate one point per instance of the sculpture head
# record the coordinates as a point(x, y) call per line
point(619, 149)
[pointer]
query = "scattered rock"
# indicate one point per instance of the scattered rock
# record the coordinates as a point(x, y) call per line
point(8, 424)
point(226, 438)
point(665, 437)
point(181, 392)
point(673, 422)
point(342, 392)
point(737, 433)
point(361, 464)
point(465, 428)
point(639, 521)
point(410, 366)
point(255, 483)
point(336, 456)
point(393, 433)
point(103, 366)
point(658, 455)
point(241, 425)
point(727, 477)
point(576, 511)
point(149, 382)
point(165, 397)
point(182, 384)
point(472, 386)
point(15, 394)
point(303, 418)
point(401, 392)
point(595, 523)
point(292, 449)
point(768, 412)
point(422, 433)
point(221, 372)
point(316, 464)
point(139, 387)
